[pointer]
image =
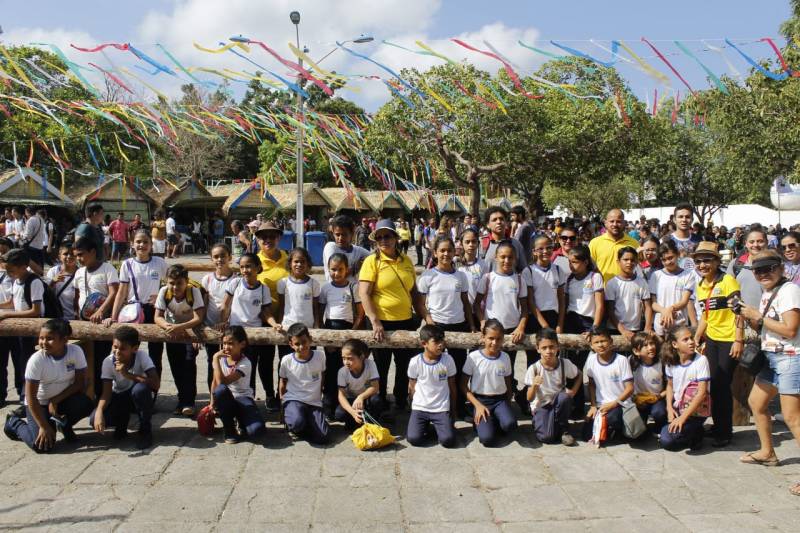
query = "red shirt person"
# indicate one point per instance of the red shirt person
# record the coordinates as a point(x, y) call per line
point(119, 230)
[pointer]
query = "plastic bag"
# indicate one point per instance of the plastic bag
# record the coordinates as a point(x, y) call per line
point(371, 435)
point(205, 421)
point(599, 430)
point(633, 425)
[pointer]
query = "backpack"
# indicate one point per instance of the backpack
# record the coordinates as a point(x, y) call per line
point(52, 306)
point(168, 296)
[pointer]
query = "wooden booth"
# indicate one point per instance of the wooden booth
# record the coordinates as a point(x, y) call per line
point(386, 204)
point(25, 188)
point(116, 194)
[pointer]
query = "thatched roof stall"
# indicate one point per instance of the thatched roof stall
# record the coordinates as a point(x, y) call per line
point(385, 203)
point(244, 200)
point(343, 200)
point(116, 194)
point(24, 187)
point(450, 204)
point(190, 194)
point(420, 203)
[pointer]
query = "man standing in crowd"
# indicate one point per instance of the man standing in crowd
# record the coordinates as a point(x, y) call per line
point(430, 236)
point(362, 234)
point(685, 239)
point(34, 235)
point(496, 220)
point(172, 236)
point(92, 228)
point(523, 229)
point(419, 239)
point(120, 236)
point(604, 247)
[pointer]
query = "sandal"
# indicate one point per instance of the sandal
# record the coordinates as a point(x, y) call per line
point(795, 489)
point(750, 459)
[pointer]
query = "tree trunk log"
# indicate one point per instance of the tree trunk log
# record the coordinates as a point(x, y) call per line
point(196, 266)
point(29, 327)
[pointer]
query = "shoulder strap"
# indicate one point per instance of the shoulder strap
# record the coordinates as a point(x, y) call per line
point(133, 279)
point(26, 290)
point(64, 286)
point(563, 372)
point(771, 298)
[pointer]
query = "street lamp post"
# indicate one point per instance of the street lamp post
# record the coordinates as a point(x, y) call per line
point(299, 228)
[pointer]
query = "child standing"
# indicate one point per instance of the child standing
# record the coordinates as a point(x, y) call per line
point(551, 400)
point(648, 379)
point(584, 293)
point(232, 394)
point(486, 384)
point(358, 385)
point(470, 264)
point(671, 290)
point(55, 380)
point(432, 385)
point(546, 287)
point(301, 377)
point(688, 376)
point(298, 294)
point(96, 285)
point(61, 278)
point(180, 307)
point(343, 310)
point(130, 384)
point(609, 381)
point(216, 283)
point(139, 281)
point(343, 228)
point(628, 297)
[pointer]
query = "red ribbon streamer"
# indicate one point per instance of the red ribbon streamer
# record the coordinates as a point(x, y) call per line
point(506, 66)
point(664, 59)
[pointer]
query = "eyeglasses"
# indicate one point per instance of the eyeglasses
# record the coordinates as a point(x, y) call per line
point(704, 260)
point(790, 246)
point(384, 237)
point(764, 271)
point(570, 238)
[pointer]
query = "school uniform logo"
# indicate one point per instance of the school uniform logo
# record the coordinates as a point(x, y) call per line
point(615, 377)
point(154, 276)
point(587, 286)
point(501, 371)
point(306, 295)
point(70, 366)
point(346, 298)
point(442, 374)
point(256, 302)
point(315, 376)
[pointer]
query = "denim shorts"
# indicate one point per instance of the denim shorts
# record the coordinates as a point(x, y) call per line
point(782, 371)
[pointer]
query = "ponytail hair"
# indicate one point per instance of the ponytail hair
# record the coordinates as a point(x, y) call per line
point(59, 326)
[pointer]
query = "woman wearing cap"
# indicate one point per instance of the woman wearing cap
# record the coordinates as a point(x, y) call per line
point(778, 320)
point(723, 332)
point(273, 268)
point(790, 246)
point(388, 288)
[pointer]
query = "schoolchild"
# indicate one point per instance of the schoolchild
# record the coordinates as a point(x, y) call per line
point(55, 381)
point(549, 393)
point(358, 383)
point(628, 297)
point(471, 265)
point(648, 379)
point(96, 285)
point(671, 291)
point(609, 381)
point(216, 284)
point(343, 228)
point(486, 384)
point(180, 307)
point(432, 385)
point(688, 377)
point(342, 307)
point(139, 282)
point(61, 278)
point(130, 384)
point(232, 396)
point(302, 374)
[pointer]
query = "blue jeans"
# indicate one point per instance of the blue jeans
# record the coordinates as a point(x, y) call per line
point(501, 420)
point(373, 406)
point(550, 421)
point(242, 409)
point(418, 426)
point(71, 410)
point(657, 410)
point(782, 372)
point(305, 420)
point(139, 399)
point(692, 433)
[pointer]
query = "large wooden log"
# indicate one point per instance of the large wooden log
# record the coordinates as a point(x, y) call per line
point(207, 266)
point(29, 327)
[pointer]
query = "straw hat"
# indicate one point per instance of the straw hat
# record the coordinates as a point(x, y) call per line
point(266, 228)
point(706, 248)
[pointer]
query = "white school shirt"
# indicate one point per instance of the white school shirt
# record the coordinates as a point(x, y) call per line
point(338, 301)
point(6, 284)
point(502, 293)
point(355, 385)
point(580, 293)
point(241, 387)
point(216, 289)
point(474, 272)
point(179, 311)
point(54, 375)
point(628, 295)
point(148, 276)
point(303, 378)
point(648, 378)
point(170, 224)
point(609, 378)
point(298, 300)
point(37, 294)
point(355, 257)
point(98, 281)
point(681, 375)
point(788, 298)
point(545, 284)
point(668, 289)
point(65, 290)
point(487, 375)
point(432, 391)
point(552, 384)
point(443, 291)
point(141, 365)
point(247, 302)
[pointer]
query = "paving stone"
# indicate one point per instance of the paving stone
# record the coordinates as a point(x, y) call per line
point(279, 505)
point(334, 506)
point(365, 470)
point(563, 526)
point(90, 504)
point(693, 496)
point(274, 472)
point(495, 473)
point(21, 505)
point(190, 470)
point(597, 466)
point(119, 469)
point(651, 524)
point(784, 520)
point(429, 472)
point(184, 527)
point(181, 503)
point(724, 523)
point(545, 502)
point(43, 469)
point(442, 504)
point(612, 499)
point(454, 527)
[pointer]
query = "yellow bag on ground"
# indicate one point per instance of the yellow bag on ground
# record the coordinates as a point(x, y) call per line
point(645, 398)
point(371, 435)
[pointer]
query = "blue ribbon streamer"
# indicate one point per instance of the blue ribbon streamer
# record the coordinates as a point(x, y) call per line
point(771, 75)
point(387, 69)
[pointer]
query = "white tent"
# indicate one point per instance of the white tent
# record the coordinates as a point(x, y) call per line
point(731, 216)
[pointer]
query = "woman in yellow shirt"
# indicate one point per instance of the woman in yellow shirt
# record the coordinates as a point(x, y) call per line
point(387, 286)
point(723, 331)
point(405, 236)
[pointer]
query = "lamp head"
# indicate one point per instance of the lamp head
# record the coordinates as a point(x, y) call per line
point(294, 16)
point(364, 39)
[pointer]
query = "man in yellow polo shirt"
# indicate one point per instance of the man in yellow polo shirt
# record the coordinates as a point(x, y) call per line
point(273, 259)
point(604, 248)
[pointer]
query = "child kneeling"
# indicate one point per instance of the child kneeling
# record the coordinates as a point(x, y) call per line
point(358, 383)
point(302, 374)
point(231, 394)
point(130, 384)
point(432, 384)
point(551, 400)
point(55, 390)
point(487, 385)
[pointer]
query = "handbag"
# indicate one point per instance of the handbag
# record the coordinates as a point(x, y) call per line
point(753, 358)
point(687, 395)
point(632, 424)
point(94, 300)
point(133, 312)
point(206, 421)
point(599, 430)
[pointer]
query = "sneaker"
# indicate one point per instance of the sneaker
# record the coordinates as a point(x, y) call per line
point(19, 412)
point(144, 440)
point(568, 440)
point(720, 442)
point(187, 411)
point(232, 436)
point(120, 433)
point(177, 410)
point(273, 404)
point(696, 445)
point(7, 430)
point(66, 430)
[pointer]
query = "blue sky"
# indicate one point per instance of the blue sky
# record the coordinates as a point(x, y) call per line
point(178, 23)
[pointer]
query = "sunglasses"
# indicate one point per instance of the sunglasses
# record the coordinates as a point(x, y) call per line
point(384, 237)
point(704, 260)
point(763, 271)
point(570, 238)
point(790, 246)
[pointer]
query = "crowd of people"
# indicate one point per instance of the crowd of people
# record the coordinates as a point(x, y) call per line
point(660, 286)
